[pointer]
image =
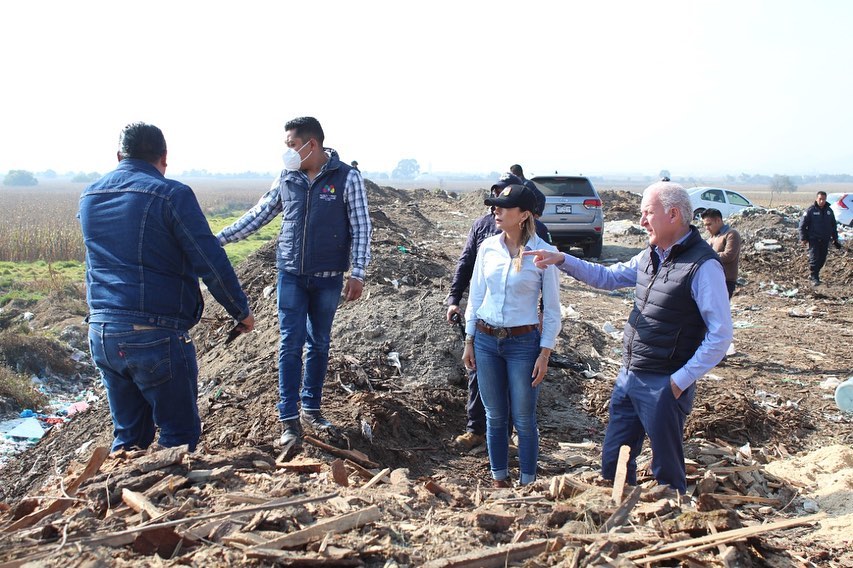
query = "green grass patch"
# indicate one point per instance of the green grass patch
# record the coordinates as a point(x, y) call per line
point(237, 252)
point(35, 280)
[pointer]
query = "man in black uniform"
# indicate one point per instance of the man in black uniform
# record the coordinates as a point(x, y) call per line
point(817, 229)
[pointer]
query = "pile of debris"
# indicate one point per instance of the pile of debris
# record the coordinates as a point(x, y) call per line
point(335, 507)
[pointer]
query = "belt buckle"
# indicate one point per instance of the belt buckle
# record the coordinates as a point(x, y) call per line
point(501, 332)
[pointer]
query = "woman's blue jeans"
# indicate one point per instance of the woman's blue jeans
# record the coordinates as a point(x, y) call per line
point(504, 369)
point(306, 310)
point(151, 377)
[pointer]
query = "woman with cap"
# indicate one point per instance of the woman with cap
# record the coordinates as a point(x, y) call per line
point(503, 337)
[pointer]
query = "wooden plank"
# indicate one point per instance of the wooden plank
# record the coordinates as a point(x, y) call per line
point(683, 547)
point(433, 487)
point(621, 474)
point(376, 478)
point(162, 458)
point(139, 503)
point(318, 530)
point(301, 465)
point(98, 540)
point(99, 455)
point(745, 499)
point(620, 515)
point(726, 470)
point(353, 455)
point(339, 472)
point(363, 471)
point(492, 557)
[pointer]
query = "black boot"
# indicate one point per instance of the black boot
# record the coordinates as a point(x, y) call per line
point(291, 433)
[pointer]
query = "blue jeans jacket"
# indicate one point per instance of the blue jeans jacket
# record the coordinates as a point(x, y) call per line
point(147, 244)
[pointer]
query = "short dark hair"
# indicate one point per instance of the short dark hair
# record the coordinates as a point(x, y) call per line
point(306, 127)
point(516, 169)
point(711, 214)
point(821, 192)
point(141, 141)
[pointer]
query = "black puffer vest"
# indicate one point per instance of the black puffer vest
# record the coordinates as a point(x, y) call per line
point(665, 327)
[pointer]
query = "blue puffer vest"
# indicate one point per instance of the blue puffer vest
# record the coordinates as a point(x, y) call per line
point(315, 230)
point(665, 327)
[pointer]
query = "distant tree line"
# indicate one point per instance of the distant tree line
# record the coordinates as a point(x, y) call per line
point(409, 169)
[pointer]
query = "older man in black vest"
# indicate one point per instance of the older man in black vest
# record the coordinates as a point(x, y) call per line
point(678, 330)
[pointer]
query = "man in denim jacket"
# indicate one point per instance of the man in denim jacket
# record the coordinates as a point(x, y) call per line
point(147, 244)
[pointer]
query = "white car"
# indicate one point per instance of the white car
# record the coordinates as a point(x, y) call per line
point(842, 206)
point(726, 200)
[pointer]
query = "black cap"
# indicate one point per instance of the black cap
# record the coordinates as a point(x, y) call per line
point(506, 180)
point(515, 195)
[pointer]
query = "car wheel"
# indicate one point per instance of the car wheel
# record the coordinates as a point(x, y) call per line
point(697, 215)
point(593, 250)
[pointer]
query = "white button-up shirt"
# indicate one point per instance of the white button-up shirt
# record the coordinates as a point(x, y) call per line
point(501, 296)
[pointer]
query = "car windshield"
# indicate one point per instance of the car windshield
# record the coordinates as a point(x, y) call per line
point(565, 186)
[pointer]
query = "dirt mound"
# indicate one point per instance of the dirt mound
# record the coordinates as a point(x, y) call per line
point(621, 205)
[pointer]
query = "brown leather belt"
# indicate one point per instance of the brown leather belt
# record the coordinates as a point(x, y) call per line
point(504, 332)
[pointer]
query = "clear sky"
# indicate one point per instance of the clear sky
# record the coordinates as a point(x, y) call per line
point(695, 87)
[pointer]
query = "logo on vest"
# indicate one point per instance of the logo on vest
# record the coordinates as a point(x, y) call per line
point(327, 193)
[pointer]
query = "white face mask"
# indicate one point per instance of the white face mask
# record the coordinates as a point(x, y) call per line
point(292, 159)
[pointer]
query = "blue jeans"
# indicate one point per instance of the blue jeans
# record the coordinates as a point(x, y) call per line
point(643, 403)
point(151, 377)
point(504, 369)
point(306, 310)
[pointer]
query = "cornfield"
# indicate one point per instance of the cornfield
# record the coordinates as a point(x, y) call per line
point(40, 223)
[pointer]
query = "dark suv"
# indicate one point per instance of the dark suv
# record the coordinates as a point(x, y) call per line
point(572, 213)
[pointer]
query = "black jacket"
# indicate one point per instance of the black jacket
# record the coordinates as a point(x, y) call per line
point(818, 223)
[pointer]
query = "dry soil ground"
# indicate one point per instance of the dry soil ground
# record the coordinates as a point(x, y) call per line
point(395, 367)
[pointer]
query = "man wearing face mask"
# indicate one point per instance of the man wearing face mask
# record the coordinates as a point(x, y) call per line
point(325, 230)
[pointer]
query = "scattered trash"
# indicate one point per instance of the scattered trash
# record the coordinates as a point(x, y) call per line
point(589, 373)
point(402, 249)
point(810, 506)
point(844, 395)
point(366, 430)
point(394, 361)
point(742, 324)
point(623, 227)
point(610, 330)
point(78, 355)
point(76, 407)
point(27, 316)
point(568, 312)
point(768, 245)
point(801, 312)
point(28, 429)
point(393, 282)
point(774, 289)
point(268, 290)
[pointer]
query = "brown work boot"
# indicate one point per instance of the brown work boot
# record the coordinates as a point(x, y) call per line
point(501, 483)
point(469, 440)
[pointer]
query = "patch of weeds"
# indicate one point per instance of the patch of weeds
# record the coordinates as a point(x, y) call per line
point(34, 354)
point(20, 389)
